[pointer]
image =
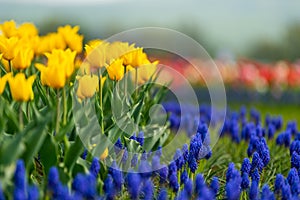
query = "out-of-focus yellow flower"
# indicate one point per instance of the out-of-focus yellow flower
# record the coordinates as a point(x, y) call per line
point(8, 29)
point(71, 37)
point(88, 85)
point(135, 58)
point(20, 87)
point(96, 53)
point(3, 81)
point(64, 58)
point(104, 154)
point(116, 70)
point(27, 30)
point(60, 66)
point(1, 56)
point(117, 49)
point(23, 58)
point(144, 72)
point(52, 75)
point(54, 41)
point(8, 47)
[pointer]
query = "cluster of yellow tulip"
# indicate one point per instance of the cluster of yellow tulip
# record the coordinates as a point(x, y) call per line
point(21, 45)
point(55, 56)
point(116, 58)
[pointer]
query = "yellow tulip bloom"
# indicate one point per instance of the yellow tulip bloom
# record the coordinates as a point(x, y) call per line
point(27, 30)
point(135, 58)
point(64, 58)
point(23, 58)
point(20, 87)
point(3, 81)
point(88, 85)
point(116, 70)
point(52, 75)
point(144, 72)
point(117, 49)
point(96, 54)
point(71, 37)
point(9, 29)
point(8, 47)
point(60, 66)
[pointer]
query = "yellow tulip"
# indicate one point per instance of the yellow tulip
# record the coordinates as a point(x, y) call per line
point(88, 85)
point(23, 58)
point(135, 58)
point(8, 47)
point(27, 30)
point(117, 49)
point(116, 70)
point(96, 53)
point(60, 66)
point(9, 29)
point(52, 75)
point(54, 41)
point(104, 154)
point(71, 37)
point(20, 87)
point(144, 72)
point(64, 58)
point(3, 81)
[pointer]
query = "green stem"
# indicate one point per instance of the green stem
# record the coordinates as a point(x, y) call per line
point(10, 66)
point(125, 82)
point(57, 112)
point(65, 107)
point(101, 101)
point(21, 117)
point(28, 111)
point(136, 82)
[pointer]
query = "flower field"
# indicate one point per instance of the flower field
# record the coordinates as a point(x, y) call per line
point(87, 120)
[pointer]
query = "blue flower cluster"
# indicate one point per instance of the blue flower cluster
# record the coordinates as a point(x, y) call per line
point(149, 178)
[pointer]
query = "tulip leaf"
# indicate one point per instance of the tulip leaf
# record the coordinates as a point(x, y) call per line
point(48, 153)
point(73, 153)
point(34, 136)
point(11, 150)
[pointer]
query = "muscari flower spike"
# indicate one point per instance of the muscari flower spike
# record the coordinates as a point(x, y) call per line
point(214, 185)
point(246, 166)
point(108, 187)
point(118, 146)
point(163, 174)
point(279, 182)
point(148, 190)
point(95, 167)
point(295, 160)
point(294, 182)
point(33, 193)
point(183, 177)
point(162, 195)
point(266, 193)
point(133, 182)
point(256, 162)
point(253, 192)
point(245, 181)
point(173, 182)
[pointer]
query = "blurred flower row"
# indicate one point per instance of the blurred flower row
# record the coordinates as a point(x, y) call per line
point(253, 74)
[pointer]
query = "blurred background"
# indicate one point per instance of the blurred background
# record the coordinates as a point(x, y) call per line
point(262, 30)
point(255, 44)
